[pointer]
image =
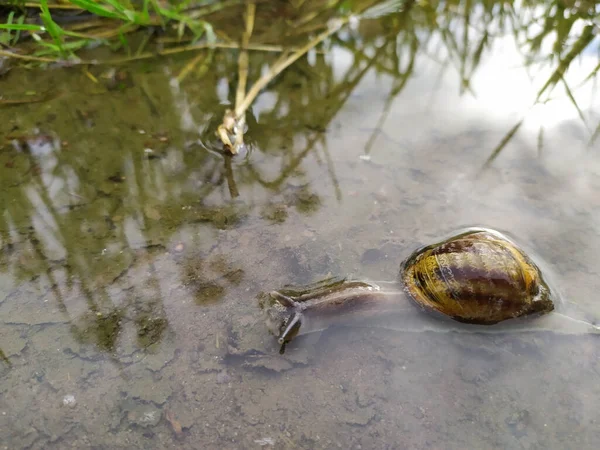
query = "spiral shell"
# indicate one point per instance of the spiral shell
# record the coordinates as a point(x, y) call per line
point(477, 277)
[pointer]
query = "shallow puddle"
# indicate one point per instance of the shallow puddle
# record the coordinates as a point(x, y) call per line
point(133, 253)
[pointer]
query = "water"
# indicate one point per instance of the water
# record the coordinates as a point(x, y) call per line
point(133, 254)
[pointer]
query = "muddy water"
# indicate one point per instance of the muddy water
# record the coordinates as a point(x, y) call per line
point(133, 254)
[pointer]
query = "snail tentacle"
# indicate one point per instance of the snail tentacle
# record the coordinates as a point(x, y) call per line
point(293, 326)
point(293, 322)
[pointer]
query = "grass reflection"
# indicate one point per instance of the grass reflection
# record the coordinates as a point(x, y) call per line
point(82, 220)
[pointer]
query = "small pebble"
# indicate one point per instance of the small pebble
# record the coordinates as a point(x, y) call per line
point(69, 400)
point(223, 377)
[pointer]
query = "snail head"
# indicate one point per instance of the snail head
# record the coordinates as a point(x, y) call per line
point(285, 317)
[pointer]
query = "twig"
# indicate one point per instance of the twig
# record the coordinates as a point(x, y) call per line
point(234, 121)
point(26, 57)
point(228, 44)
point(146, 55)
point(243, 57)
point(281, 65)
point(232, 126)
point(233, 191)
point(215, 7)
point(243, 77)
point(189, 67)
point(51, 6)
point(22, 101)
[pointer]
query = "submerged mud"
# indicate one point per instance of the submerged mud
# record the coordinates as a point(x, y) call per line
point(133, 254)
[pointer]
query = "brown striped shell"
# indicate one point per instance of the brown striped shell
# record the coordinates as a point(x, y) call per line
point(478, 277)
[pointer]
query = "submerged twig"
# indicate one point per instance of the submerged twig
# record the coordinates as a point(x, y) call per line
point(283, 64)
point(15, 55)
point(189, 67)
point(145, 55)
point(234, 121)
point(233, 190)
point(29, 99)
point(236, 126)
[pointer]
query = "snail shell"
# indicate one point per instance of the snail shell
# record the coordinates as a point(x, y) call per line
point(477, 277)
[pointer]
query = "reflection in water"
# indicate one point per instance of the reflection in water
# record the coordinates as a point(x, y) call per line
point(101, 329)
point(4, 358)
point(126, 236)
point(209, 289)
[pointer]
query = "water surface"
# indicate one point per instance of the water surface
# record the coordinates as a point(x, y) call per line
point(132, 253)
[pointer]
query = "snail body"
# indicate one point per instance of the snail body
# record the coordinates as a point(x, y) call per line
point(476, 278)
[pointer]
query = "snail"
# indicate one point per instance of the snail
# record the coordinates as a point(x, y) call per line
point(470, 281)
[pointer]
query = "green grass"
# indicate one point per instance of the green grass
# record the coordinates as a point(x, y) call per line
point(120, 18)
point(551, 33)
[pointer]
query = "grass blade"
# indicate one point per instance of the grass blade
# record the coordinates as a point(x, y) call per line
point(594, 136)
point(21, 27)
point(97, 9)
point(503, 143)
point(53, 29)
point(575, 104)
point(586, 37)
